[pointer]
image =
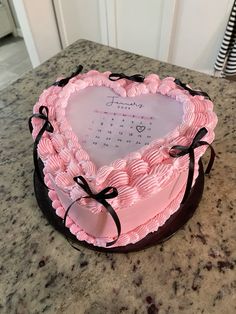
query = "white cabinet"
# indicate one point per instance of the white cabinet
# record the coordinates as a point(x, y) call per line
point(6, 21)
point(139, 26)
point(39, 29)
point(134, 25)
point(78, 19)
point(187, 33)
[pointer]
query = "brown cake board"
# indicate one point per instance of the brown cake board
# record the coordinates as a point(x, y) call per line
point(171, 226)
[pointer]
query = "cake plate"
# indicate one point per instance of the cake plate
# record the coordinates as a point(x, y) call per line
point(171, 226)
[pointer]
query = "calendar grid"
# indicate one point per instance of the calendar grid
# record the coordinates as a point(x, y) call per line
point(124, 115)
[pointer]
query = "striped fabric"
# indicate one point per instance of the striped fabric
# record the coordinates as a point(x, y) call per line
point(226, 59)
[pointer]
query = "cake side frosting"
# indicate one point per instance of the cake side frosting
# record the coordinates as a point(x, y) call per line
point(131, 236)
point(137, 176)
point(101, 224)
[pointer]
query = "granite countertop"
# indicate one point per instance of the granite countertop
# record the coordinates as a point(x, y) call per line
point(194, 272)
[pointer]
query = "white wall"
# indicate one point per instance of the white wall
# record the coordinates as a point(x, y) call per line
point(198, 33)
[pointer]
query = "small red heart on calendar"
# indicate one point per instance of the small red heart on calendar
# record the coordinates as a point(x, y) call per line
point(140, 128)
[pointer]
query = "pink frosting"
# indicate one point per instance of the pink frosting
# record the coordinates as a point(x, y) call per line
point(101, 224)
point(137, 175)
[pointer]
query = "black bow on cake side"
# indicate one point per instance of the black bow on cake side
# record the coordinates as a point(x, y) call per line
point(101, 197)
point(190, 90)
point(135, 78)
point(179, 151)
point(65, 80)
point(47, 126)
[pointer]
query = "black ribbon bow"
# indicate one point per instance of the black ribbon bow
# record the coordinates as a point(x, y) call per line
point(65, 80)
point(101, 197)
point(189, 150)
point(118, 76)
point(46, 127)
point(191, 91)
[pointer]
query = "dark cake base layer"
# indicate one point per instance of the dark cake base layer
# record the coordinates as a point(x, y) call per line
point(171, 226)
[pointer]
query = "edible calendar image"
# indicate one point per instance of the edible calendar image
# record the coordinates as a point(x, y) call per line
point(118, 125)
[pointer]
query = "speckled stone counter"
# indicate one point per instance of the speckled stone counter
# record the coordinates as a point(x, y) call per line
point(194, 272)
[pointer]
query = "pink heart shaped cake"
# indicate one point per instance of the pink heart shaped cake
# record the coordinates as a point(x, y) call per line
point(120, 155)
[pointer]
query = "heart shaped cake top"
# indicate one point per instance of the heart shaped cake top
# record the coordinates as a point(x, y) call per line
point(110, 127)
point(119, 133)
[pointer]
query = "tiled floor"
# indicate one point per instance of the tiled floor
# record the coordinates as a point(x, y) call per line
point(14, 60)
